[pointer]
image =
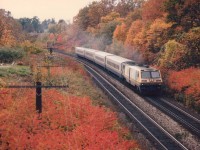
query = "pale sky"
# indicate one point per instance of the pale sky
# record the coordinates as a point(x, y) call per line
point(44, 9)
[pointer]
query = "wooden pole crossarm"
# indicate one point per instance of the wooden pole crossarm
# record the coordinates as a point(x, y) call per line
point(53, 66)
point(30, 86)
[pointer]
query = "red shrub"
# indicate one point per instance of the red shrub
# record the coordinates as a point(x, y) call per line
point(186, 81)
point(66, 123)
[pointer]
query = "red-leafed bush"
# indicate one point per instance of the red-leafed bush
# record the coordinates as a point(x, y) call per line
point(65, 123)
point(70, 66)
point(187, 82)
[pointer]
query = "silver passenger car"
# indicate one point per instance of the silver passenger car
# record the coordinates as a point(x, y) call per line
point(100, 58)
point(89, 53)
point(114, 64)
point(80, 51)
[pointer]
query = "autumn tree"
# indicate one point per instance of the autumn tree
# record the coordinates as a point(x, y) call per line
point(133, 31)
point(123, 7)
point(183, 53)
point(152, 9)
point(97, 10)
point(192, 42)
point(110, 17)
point(10, 30)
point(157, 35)
point(186, 86)
point(90, 16)
point(107, 26)
point(172, 56)
point(184, 13)
point(133, 16)
point(82, 18)
point(122, 29)
point(120, 32)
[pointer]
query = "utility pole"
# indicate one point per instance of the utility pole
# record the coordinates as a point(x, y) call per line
point(38, 86)
point(39, 97)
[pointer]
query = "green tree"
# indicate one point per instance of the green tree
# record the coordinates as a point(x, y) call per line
point(97, 10)
point(157, 35)
point(36, 24)
point(192, 42)
point(107, 30)
point(173, 56)
point(90, 16)
point(133, 16)
point(82, 19)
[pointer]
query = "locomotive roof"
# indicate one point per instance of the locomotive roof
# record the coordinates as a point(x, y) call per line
point(90, 50)
point(79, 48)
point(143, 68)
point(101, 53)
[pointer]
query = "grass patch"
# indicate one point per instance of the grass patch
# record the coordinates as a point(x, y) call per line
point(8, 55)
point(15, 70)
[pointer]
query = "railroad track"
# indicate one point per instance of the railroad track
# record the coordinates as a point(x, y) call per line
point(157, 133)
point(162, 137)
point(181, 116)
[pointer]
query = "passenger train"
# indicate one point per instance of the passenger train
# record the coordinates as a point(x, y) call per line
point(145, 79)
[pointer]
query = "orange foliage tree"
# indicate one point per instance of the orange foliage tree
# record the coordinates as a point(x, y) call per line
point(7, 30)
point(156, 35)
point(120, 32)
point(152, 9)
point(135, 28)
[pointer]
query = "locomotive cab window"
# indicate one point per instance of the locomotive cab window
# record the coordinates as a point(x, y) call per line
point(150, 74)
point(155, 74)
point(146, 74)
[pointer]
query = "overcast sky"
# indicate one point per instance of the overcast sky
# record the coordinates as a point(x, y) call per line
point(44, 9)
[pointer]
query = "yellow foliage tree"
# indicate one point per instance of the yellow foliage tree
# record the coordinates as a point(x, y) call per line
point(172, 56)
point(110, 17)
point(7, 39)
point(156, 34)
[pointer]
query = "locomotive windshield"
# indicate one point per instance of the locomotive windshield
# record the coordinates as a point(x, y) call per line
point(155, 74)
point(150, 74)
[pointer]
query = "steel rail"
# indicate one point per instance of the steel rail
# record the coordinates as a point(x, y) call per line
point(187, 120)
